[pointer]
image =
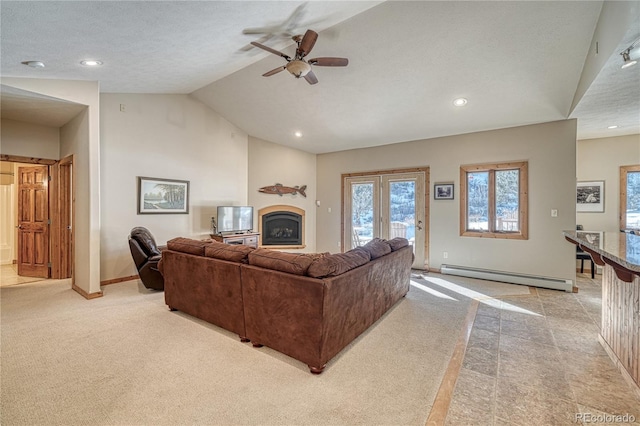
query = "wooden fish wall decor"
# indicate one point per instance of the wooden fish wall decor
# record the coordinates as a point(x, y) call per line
point(280, 189)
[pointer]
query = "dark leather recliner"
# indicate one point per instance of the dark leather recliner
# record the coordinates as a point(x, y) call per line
point(146, 255)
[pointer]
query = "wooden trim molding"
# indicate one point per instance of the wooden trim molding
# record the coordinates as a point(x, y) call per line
point(523, 208)
point(441, 404)
point(119, 280)
point(86, 295)
point(28, 160)
point(624, 170)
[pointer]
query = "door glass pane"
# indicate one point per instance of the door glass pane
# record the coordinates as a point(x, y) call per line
point(402, 210)
point(362, 213)
point(633, 200)
point(507, 200)
point(478, 201)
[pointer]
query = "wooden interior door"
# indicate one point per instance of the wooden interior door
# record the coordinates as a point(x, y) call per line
point(61, 219)
point(33, 221)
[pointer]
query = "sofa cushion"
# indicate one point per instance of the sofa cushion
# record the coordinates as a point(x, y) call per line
point(377, 248)
point(397, 243)
point(314, 256)
point(339, 263)
point(230, 252)
point(188, 245)
point(280, 261)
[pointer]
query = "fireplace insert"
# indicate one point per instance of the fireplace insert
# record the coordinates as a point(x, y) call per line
point(281, 228)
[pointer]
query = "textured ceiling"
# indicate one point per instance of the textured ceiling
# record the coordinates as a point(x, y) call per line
point(517, 62)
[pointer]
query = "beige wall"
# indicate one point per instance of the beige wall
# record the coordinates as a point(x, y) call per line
point(30, 140)
point(172, 137)
point(600, 160)
point(549, 148)
point(269, 164)
point(85, 146)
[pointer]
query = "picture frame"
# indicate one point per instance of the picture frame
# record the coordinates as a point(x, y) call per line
point(594, 237)
point(162, 196)
point(590, 197)
point(443, 191)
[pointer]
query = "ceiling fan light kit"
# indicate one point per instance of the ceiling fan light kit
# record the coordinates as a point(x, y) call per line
point(298, 66)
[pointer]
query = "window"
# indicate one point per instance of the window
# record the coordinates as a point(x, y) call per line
point(494, 200)
point(630, 197)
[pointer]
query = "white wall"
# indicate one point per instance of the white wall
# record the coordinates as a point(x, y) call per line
point(600, 159)
point(270, 163)
point(85, 146)
point(172, 137)
point(27, 140)
point(30, 140)
point(549, 148)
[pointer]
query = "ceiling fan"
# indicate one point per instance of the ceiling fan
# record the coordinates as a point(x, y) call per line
point(298, 66)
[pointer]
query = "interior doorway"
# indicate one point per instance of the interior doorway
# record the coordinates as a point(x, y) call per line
point(30, 254)
point(387, 204)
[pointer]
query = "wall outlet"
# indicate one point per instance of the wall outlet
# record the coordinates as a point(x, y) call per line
point(328, 209)
point(554, 212)
point(338, 244)
point(445, 255)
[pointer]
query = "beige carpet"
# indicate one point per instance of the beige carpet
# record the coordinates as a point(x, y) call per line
point(124, 359)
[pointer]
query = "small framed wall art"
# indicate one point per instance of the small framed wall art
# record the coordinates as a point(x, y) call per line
point(590, 197)
point(443, 191)
point(162, 196)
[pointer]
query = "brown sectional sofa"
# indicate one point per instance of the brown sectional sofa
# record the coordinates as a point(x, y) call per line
point(307, 306)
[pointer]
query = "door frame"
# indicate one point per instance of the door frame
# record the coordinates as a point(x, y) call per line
point(61, 202)
point(427, 185)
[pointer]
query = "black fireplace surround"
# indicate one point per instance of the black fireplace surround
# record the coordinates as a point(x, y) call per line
point(282, 229)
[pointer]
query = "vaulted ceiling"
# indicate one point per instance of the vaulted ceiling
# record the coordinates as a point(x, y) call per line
point(516, 63)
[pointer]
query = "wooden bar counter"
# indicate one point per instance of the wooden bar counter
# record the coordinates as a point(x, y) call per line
point(620, 327)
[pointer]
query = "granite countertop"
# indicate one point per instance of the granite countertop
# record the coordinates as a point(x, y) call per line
point(621, 247)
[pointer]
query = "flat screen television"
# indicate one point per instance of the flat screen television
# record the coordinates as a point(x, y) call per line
point(234, 219)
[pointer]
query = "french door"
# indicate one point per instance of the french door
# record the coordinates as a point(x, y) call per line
point(387, 205)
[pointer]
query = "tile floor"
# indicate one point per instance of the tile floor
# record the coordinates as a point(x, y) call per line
point(9, 276)
point(536, 359)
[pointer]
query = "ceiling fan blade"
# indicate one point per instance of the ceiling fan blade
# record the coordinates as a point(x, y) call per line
point(311, 78)
point(307, 43)
point(268, 49)
point(274, 71)
point(329, 62)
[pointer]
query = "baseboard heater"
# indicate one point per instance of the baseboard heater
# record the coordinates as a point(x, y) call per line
point(508, 277)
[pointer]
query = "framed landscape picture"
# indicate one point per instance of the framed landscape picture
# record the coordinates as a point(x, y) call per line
point(443, 191)
point(162, 196)
point(590, 197)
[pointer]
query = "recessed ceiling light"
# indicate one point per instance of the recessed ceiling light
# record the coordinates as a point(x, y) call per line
point(297, 134)
point(34, 64)
point(612, 127)
point(460, 102)
point(91, 63)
